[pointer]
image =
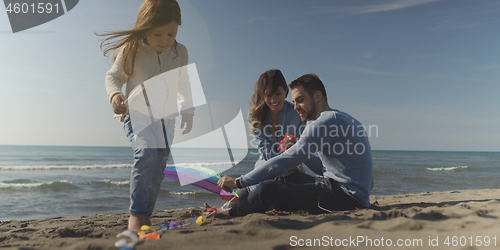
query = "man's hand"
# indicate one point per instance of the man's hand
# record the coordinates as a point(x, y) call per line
point(117, 104)
point(187, 120)
point(227, 182)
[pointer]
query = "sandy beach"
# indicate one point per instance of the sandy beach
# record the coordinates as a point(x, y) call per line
point(466, 219)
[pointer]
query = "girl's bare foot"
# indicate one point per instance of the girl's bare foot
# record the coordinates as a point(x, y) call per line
point(135, 222)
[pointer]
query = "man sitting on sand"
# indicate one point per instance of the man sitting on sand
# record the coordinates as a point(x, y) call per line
point(337, 138)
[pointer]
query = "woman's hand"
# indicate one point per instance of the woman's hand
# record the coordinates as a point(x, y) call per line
point(117, 103)
point(288, 142)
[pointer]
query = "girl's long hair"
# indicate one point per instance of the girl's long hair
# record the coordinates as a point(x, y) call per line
point(270, 80)
point(152, 14)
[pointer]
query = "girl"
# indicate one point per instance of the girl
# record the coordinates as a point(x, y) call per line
point(149, 49)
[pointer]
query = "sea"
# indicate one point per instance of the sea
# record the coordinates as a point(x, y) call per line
point(38, 182)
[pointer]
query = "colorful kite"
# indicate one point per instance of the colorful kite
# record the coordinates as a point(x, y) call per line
point(200, 177)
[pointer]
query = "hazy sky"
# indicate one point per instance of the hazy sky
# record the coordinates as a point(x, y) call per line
point(425, 72)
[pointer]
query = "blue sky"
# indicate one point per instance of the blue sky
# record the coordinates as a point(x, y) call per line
point(426, 73)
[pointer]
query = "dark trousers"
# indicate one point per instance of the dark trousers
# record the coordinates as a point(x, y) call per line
point(319, 197)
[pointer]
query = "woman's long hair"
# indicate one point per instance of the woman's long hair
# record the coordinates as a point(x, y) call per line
point(152, 14)
point(267, 85)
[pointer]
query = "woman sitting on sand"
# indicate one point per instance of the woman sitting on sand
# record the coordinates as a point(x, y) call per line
point(272, 118)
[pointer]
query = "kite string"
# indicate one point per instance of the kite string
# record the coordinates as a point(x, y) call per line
point(224, 207)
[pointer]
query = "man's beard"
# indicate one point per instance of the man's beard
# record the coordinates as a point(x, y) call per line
point(311, 113)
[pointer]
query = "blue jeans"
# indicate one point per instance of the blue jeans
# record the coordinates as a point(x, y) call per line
point(148, 167)
point(319, 197)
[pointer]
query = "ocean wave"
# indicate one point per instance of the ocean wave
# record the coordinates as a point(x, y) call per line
point(64, 167)
point(188, 194)
point(182, 193)
point(19, 181)
point(446, 169)
point(202, 164)
point(97, 167)
point(112, 183)
point(51, 185)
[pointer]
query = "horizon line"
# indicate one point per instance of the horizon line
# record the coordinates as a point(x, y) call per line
point(251, 148)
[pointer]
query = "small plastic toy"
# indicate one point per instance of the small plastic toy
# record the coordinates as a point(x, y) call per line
point(149, 233)
point(201, 220)
point(212, 212)
point(283, 141)
point(164, 227)
point(189, 221)
point(175, 224)
point(149, 236)
point(122, 244)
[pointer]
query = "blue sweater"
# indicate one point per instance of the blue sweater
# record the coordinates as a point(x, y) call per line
point(342, 145)
point(290, 124)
